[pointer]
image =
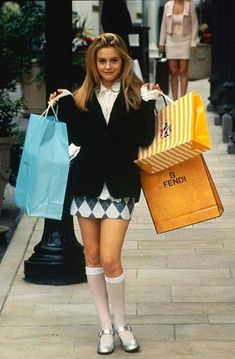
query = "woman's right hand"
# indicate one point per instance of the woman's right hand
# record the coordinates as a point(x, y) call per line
point(161, 49)
point(56, 95)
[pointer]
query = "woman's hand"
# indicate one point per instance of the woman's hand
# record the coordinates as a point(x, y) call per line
point(151, 86)
point(161, 49)
point(148, 91)
point(55, 96)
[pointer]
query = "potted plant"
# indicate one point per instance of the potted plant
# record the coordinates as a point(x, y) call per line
point(9, 107)
point(82, 38)
point(24, 37)
point(33, 79)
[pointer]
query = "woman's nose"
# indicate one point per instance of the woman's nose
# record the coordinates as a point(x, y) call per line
point(107, 65)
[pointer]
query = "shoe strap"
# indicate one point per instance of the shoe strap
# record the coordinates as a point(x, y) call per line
point(123, 329)
point(106, 331)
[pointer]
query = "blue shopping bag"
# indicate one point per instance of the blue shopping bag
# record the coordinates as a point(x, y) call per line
point(44, 166)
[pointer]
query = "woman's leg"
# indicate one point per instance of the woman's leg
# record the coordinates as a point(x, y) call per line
point(183, 73)
point(174, 73)
point(112, 236)
point(90, 230)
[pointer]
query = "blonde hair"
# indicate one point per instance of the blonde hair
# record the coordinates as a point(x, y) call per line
point(130, 83)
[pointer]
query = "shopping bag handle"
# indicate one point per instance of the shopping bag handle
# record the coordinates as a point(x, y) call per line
point(50, 106)
point(165, 97)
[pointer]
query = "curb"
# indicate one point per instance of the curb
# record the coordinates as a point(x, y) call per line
point(14, 255)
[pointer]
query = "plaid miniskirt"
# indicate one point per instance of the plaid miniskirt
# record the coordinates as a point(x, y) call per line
point(99, 208)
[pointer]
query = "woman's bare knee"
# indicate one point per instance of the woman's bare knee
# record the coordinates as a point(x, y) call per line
point(112, 266)
point(92, 256)
point(90, 229)
point(174, 73)
point(183, 73)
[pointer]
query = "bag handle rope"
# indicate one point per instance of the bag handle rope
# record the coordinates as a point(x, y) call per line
point(165, 97)
point(50, 107)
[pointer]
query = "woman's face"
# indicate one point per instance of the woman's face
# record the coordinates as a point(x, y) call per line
point(109, 64)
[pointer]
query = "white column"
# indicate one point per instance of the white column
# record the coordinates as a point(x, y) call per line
point(89, 10)
point(153, 6)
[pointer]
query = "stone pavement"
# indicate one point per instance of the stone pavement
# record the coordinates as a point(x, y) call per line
point(180, 286)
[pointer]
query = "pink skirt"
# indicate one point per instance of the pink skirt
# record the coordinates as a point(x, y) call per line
point(178, 47)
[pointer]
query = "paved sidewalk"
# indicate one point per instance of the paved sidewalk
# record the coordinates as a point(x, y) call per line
point(180, 286)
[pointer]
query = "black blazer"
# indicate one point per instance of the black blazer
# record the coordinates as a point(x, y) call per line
point(107, 150)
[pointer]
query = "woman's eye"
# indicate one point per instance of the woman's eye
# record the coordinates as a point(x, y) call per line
point(103, 61)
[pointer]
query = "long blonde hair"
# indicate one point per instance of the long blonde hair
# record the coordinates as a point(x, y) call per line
point(129, 81)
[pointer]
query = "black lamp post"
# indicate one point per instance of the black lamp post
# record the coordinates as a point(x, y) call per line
point(222, 91)
point(58, 45)
point(58, 258)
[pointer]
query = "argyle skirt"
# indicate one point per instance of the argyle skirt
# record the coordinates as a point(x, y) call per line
point(98, 208)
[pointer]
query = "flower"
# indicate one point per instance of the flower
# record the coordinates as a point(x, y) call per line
point(82, 38)
point(81, 34)
point(203, 27)
point(205, 34)
point(81, 42)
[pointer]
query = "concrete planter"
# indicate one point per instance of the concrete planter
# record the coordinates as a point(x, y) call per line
point(200, 62)
point(5, 146)
point(33, 91)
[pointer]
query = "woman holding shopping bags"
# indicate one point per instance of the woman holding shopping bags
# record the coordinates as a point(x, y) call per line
point(178, 38)
point(108, 117)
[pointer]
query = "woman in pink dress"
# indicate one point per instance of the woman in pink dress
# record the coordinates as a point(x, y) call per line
point(178, 37)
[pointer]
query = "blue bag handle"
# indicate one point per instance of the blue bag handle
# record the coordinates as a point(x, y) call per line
point(50, 106)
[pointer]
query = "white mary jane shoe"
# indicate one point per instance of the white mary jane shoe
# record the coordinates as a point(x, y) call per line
point(130, 346)
point(105, 348)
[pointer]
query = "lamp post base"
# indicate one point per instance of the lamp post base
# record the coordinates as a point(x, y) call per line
point(58, 259)
point(54, 273)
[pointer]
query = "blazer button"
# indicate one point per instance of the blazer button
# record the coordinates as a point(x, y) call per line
point(105, 134)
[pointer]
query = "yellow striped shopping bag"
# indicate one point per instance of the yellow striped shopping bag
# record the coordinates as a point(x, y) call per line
point(181, 133)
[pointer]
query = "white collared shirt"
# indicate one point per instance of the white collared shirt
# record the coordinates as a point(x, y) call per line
point(106, 97)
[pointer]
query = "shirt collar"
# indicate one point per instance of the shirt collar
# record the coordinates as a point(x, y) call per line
point(115, 88)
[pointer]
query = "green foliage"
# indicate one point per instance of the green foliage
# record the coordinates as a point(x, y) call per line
point(79, 25)
point(22, 36)
point(9, 109)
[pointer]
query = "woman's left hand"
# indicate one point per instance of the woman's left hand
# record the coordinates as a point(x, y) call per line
point(151, 86)
point(148, 91)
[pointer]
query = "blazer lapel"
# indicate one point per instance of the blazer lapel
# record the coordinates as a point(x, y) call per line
point(169, 8)
point(186, 8)
point(118, 109)
point(98, 113)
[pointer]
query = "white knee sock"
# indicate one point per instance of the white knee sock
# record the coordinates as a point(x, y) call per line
point(96, 281)
point(116, 294)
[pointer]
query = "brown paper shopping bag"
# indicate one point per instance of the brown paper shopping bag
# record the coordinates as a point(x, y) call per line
point(181, 133)
point(181, 195)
